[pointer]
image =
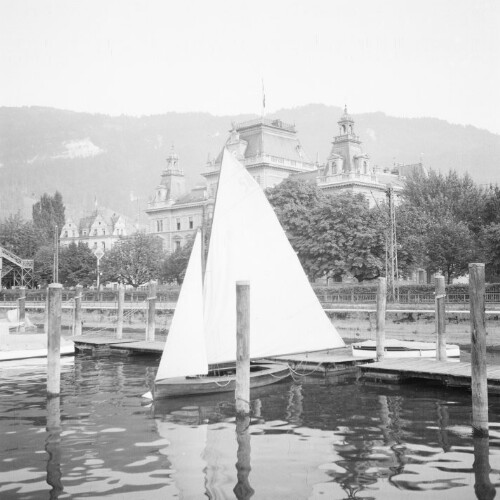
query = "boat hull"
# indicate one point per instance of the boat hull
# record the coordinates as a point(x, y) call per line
point(260, 375)
point(403, 349)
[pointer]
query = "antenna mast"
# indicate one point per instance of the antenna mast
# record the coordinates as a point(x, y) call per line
point(392, 250)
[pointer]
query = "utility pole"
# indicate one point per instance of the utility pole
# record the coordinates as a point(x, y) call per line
point(392, 249)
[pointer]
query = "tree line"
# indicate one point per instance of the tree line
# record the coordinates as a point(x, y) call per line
point(443, 222)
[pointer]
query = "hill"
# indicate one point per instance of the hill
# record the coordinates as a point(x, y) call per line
point(118, 160)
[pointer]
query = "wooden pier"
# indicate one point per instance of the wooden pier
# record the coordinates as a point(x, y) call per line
point(452, 374)
point(124, 347)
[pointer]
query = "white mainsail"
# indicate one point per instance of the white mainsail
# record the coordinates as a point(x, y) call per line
point(247, 242)
point(185, 353)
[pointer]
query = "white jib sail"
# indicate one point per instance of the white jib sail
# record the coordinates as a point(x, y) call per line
point(248, 243)
point(185, 353)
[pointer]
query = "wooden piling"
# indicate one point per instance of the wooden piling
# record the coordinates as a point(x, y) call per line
point(77, 318)
point(440, 294)
point(479, 382)
point(242, 391)
point(381, 308)
point(21, 317)
point(119, 321)
point(150, 327)
point(46, 316)
point(54, 341)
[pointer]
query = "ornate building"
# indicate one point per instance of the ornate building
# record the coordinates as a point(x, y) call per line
point(98, 230)
point(175, 214)
point(269, 149)
point(348, 168)
point(271, 152)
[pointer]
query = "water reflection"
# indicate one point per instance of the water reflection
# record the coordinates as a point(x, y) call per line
point(53, 446)
point(243, 490)
point(483, 488)
point(304, 440)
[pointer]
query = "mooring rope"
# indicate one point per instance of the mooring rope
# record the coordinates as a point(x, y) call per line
point(295, 372)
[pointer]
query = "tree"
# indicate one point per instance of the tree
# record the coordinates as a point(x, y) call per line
point(345, 238)
point(47, 213)
point(44, 265)
point(447, 196)
point(490, 243)
point(174, 266)
point(77, 265)
point(293, 201)
point(333, 235)
point(133, 260)
point(19, 236)
point(451, 246)
point(412, 226)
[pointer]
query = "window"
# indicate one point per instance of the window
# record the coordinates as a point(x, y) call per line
point(191, 223)
point(84, 233)
point(65, 234)
point(177, 244)
point(95, 244)
point(104, 232)
point(178, 224)
point(103, 245)
point(95, 232)
point(159, 226)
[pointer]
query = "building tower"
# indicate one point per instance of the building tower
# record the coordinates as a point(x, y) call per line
point(346, 155)
point(173, 183)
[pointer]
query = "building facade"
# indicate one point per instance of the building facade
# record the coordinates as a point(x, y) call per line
point(175, 214)
point(271, 151)
point(348, 168)
point(98, 230)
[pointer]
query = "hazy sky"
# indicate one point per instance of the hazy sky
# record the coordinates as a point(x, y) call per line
point(409, 58)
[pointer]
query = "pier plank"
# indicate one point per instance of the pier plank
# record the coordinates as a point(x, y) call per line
point(446, 372)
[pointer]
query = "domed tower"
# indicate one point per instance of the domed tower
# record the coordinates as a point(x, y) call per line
point(173, 183)
point(346, 155)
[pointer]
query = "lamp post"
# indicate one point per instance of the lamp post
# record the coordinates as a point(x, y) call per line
point(98, 255)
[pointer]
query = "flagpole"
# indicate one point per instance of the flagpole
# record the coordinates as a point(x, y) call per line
point(263, 99)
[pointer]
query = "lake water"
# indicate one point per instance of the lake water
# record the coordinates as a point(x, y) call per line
point(308, 438)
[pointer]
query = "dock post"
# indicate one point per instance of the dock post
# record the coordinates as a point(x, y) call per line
point(381, 307)
point(150, 327)
point(46, 317)
point(440, 292)
point(21, 317)
point(54, 341)
point(77, 318)
point(479, 382)
point(119, 321)
point(242, 390)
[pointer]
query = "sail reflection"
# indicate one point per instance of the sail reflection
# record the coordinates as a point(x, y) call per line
point(53, 446)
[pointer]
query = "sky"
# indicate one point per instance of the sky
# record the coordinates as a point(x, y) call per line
point(407, 58)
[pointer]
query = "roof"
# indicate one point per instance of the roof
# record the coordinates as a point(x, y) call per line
point(270, 137)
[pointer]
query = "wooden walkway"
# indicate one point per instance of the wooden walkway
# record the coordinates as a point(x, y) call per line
point(449, 373)
point(334, 361)
point(127, 347)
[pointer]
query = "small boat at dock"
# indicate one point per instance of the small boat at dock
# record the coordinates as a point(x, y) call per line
point(403, 349)
point(247, 243)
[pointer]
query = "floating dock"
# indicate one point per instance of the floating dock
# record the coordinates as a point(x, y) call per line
point(126, 347)
point(449, 373)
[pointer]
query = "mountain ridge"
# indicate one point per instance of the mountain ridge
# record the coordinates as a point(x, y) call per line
point(117, 159)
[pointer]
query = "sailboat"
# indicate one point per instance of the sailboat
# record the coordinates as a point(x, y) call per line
point(247, 243)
